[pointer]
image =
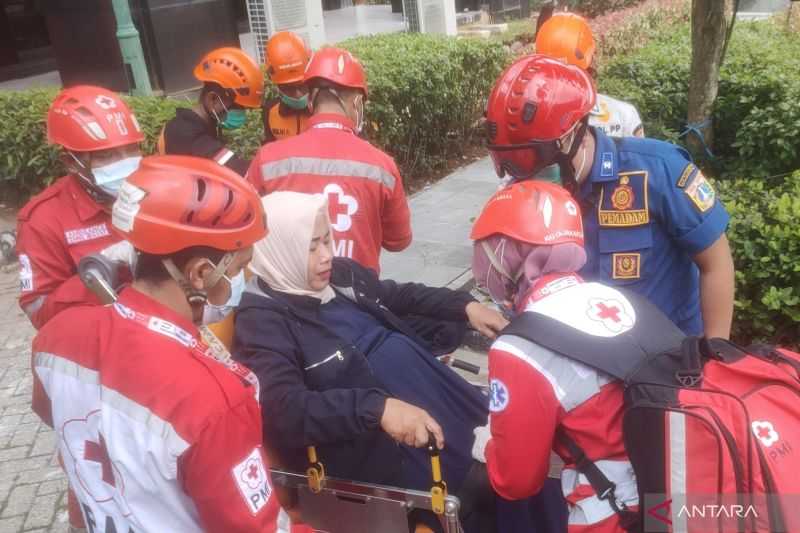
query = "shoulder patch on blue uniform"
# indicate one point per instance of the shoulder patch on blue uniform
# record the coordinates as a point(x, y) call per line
point(701, 192)
point(627, 204)
point(685, 175)
point(607, 164)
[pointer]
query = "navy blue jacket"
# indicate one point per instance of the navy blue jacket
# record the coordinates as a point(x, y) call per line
point(317, 388)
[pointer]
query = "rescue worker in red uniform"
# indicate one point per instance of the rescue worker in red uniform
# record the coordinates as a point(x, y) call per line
point(159, 430)
point(366, 200)
point(70, 219)
point(232, 83)
point(528, 248)
point(287, 115)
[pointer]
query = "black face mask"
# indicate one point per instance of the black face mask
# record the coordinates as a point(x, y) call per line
point(564, 161)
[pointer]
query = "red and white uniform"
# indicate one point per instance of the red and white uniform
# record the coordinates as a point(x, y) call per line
point(534, 391)
point(366, 200)
point(615, 117)
point(155, 433)
point(55, 229)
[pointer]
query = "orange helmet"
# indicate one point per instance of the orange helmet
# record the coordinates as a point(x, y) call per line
point(531, 211)
point(567, 37)
point(175, 202)
point(234, 70)
point(287, 56)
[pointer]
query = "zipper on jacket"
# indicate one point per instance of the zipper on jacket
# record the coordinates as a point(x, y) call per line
point(336, 355)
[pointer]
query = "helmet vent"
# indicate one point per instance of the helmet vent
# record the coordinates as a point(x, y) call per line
point(229, 201)
point(201, 189)
point(528, 112)
point(491, 128)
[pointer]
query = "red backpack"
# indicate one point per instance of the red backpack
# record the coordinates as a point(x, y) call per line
point(712, 429)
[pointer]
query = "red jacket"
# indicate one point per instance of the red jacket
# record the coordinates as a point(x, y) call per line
point(366, 200)
point(534, 391)
point(155, 432)
point(54, 230)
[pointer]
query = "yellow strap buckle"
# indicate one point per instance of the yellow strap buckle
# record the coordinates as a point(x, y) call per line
point(315, 471)
point(439, 487)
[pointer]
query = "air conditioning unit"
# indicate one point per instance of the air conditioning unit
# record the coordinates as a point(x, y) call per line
point(303, 17)
point(431, 16)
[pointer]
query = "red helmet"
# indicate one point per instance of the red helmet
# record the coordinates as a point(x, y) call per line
point(86, 119)
point(534, 106)
point(532, 211)
point(175, 202)
point(336, 66)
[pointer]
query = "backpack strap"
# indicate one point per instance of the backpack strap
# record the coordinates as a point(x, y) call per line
point(619, 356)
point(770, 353)
point(603, 487)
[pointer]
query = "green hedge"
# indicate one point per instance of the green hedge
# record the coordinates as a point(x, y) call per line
point(757, 114)
point(765, 238)
point(426, 94)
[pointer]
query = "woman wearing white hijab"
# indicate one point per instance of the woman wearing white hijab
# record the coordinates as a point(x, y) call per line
point(338, 366)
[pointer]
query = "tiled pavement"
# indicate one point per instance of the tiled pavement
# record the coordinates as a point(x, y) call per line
point(32, 485)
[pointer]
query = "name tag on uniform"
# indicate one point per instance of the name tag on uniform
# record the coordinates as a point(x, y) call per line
point(75, 236)
point(624, 203)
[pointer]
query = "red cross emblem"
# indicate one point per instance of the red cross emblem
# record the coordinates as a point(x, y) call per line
point(252, 474)
point(341, 207)
point(765, 432)
point(610, 313)
point(98, 453)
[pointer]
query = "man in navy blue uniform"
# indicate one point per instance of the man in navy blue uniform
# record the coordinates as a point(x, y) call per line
point(653, 222)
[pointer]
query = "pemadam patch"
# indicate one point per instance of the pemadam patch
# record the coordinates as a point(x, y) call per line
point(626, 266)
point(627, 203)
point(622, 197)
point(701, 192)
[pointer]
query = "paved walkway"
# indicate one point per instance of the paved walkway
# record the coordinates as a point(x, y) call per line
point(32, 486)
point(441, 218)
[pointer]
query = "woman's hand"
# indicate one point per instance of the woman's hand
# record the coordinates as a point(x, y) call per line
point(410, 425)
point(488, 321)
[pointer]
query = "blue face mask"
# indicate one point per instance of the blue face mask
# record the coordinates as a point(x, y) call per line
point(110, 177)
point(295, 103)
point(234, 118)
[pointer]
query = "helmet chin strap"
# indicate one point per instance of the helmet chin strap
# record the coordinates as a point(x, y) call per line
point(86, 178)
point(566, 167)
point(497, 264)
point(197, 298)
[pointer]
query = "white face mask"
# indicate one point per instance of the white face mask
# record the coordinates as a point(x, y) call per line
point(216, 313)
point(110, 177)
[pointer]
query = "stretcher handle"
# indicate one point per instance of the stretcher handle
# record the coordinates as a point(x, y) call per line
point(449, 360)
point(315, 471)
point(469, 367)
point(439, 487)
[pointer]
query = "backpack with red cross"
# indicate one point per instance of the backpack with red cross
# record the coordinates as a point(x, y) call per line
point(712, 429)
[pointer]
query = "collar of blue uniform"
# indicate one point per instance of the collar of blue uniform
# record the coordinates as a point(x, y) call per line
point(606, 162)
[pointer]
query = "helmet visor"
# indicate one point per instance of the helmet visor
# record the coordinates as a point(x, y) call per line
point(523, 161)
